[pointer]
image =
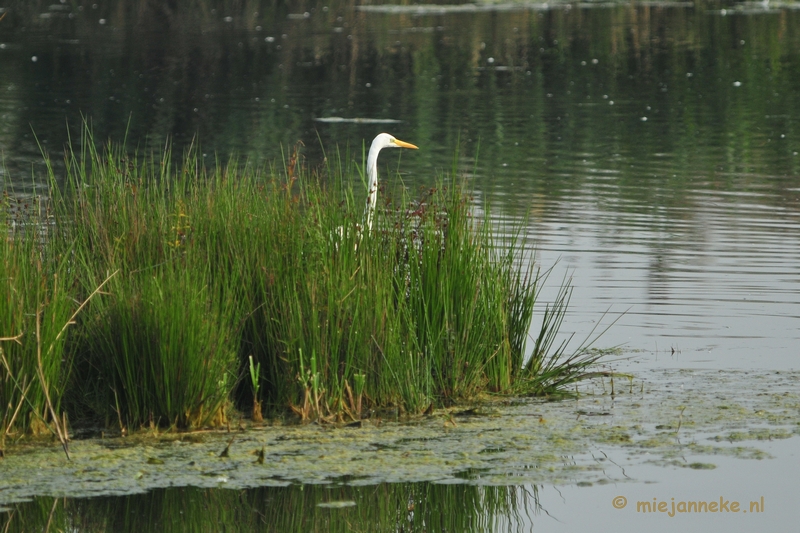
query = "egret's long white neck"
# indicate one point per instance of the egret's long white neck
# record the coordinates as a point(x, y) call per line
point(383, 140)
point(372, 181)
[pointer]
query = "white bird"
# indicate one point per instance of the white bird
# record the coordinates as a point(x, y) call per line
point(383, 140)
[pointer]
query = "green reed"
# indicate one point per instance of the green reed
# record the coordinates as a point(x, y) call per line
point(35, 310)
point(432, 306)
point(207, 275)
point(160, 346)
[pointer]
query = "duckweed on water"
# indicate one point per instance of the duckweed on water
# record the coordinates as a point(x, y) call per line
point(505, 443)
point(701, 466)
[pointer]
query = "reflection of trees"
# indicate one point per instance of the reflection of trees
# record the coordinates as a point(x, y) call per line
point(248, 76)
point(386, 507)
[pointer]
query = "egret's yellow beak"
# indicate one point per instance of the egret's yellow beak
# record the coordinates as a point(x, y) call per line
point(403, 144)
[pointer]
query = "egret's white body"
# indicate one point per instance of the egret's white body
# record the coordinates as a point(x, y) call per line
point(383, 140)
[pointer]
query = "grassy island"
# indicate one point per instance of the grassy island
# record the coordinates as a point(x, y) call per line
point(152, 293)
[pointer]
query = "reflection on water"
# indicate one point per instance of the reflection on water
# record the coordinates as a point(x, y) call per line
point(309, 508)
point(716, 281)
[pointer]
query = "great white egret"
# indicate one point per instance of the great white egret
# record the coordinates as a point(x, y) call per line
point(383, 140)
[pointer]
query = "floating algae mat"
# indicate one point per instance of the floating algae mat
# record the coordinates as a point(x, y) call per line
point(672, 418)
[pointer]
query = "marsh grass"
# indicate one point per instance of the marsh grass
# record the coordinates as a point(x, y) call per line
point(172, 349)
point(260, 288)
point(414, 312)
point(160, 347)
point(35, 309)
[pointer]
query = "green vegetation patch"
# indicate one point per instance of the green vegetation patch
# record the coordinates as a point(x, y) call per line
point(165, 294)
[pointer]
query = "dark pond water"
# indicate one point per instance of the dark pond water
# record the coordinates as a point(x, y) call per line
point(652, 146)
point(388, 507)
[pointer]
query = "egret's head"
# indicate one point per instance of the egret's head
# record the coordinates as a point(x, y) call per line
point(384, 140)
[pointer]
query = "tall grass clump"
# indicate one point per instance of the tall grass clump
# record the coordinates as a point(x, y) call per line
point(159, 346)
point(35, 310)
point(262, 288)
point(163, 348)
point(430, 307)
